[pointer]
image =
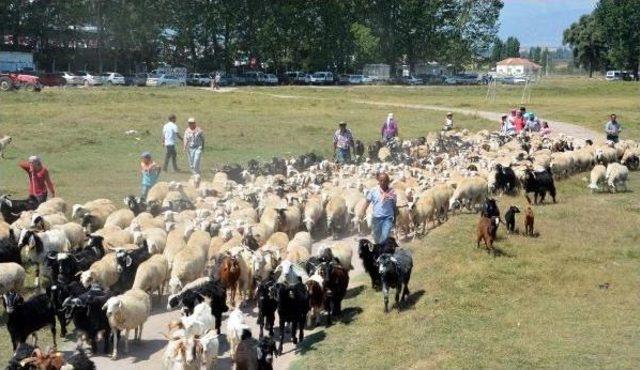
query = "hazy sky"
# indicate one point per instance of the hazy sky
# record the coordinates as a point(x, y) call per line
point(541, 22)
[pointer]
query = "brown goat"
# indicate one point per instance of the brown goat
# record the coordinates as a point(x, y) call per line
point(316, 301)
point(486, 227)
point(528, 222)
point(229, 276)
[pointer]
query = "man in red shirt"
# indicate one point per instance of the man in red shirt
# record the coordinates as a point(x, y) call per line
point(39, 180)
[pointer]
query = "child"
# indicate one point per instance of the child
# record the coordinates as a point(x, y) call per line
point(546, 130)
point(150, 173)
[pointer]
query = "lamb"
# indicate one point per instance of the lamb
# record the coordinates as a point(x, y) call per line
point(616, 176)
point(11, 277)
point(4, 143)
point(103, 272)
point(200, 322)
point(125, 312)
point(336, 212)
point(235, 326)
point(121, 218)
point(152, 274)
point(528, 222)
point(472, 191)
point(598, 176)
point(510, 219)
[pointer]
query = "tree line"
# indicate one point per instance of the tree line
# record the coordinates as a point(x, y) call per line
point(336, 35)
point(609, 37)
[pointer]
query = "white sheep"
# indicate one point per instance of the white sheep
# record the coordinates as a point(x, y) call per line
point(4, 143)
point(342, 251)
point(103, 272)
point(200, 322)
point(121, 218)
point(74, 232)
point(312, 212)
point(175, 243)
point(51, 206)
point(471, 191)
point(38, 245)
point(598, 176)
point(423, 210)
point(617, 176)
point(336, 212)
point(94, 213)
point(152, 275)
point(12, 277)
point(187, 265)
point(125, 312)
point(45, 222)
point(156, 238)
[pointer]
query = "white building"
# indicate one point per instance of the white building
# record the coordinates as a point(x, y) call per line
point(517, 67)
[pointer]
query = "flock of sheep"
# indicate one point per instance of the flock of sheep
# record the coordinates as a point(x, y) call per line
point(261, 225)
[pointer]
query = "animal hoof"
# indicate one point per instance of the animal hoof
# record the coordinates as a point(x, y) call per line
point(295, 340)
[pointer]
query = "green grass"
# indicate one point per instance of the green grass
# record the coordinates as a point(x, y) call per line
point(539, 306)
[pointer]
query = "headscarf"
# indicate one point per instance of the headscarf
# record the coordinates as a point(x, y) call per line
point(389, 119)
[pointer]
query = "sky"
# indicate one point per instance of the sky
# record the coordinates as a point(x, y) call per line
point(540, 22)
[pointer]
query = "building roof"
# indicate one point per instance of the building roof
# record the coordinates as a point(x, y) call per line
point(518, 62)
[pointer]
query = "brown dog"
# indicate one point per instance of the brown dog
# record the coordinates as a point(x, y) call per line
point(528, 222)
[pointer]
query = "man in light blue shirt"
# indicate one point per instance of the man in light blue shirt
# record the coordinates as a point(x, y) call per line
point(383, 200)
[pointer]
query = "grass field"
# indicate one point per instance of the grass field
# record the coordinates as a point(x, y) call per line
point(539, 307)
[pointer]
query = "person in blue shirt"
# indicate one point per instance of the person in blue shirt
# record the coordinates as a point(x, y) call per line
point(150, 172)
point(383, 200)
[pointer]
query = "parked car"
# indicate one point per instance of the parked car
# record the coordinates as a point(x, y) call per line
point(431, 79)
point(322, 78)
point(463, 79)
point(619, 76)
point(53, 79)
point(130, 80)
point(252, 77)
point(140, 79)
point(267, 79)
point(71, 78)
point(112, 78)
point(369, 79)
point(343, 80)
point(161, 80)
point(198, 79)
point(292, 78)
point(409, 80)
point(90, 78)
point(307, 79)
point(356, 79)
point(226, 80)
point(239, 80)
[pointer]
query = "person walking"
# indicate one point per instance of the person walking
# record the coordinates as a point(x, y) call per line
point(613, 128)
point(193, 145)
point(519, 122)
point(216, 81)
point(383, 200)
point(507, 127)
point(389, 128)
point(342, 143)
point(545, 130)
point(150, 172)
point(40, 184)
point(170, 135)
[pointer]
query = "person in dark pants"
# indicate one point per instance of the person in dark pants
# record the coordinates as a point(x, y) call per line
point(170, 135)
point(613, 128)
point(39, 180)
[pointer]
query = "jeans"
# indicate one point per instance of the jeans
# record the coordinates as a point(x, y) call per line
point(41, 198)
point(193, 155)
point(381, 228)
point(343, 155)
point(170, 155)
point(144, 191)
point(613, 138)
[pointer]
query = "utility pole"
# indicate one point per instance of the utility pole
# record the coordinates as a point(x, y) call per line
point(546, 66)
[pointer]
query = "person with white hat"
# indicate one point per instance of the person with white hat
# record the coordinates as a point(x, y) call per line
point(40, 183)
point(193, 145)
point(342, 143)
point(150, 172)
point(448, 122)
point(389, 128)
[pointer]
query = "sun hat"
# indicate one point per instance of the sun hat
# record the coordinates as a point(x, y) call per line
point(145, 155)
point(191, 120)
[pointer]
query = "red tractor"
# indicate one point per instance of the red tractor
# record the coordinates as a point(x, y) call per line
point(10, 81)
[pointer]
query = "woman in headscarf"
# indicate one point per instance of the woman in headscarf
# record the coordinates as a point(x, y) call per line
point(389, 128)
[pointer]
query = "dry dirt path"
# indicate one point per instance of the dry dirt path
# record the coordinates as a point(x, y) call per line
point(147, 355)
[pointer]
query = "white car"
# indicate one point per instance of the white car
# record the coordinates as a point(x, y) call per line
point(268, 79)
point(165, 80)
point(71, 78)
point(90, 79)
point(113, 78)
point(322, 78)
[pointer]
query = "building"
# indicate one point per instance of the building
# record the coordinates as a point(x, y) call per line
point(517, 67)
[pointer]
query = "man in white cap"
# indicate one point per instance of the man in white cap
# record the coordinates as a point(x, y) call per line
point(193, 145)
point(39, 180)
point(448, 122)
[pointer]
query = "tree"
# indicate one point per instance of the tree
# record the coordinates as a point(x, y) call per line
point(586, 40)
point(512, 47)
point(366, 44)
point(497, 51)
point(620, 24)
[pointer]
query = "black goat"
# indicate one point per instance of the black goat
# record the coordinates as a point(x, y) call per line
point(57, 294)
point(25, 318)
point(369, 254)
point(80, 361)
point(12, 208)
point(510, 219)
point(266, 350)
point(9, 250)
point(395, 272)
point(127, 265)
point(136, 205)
point(88, 316)
point(267, 305)
point(491, 211)
point(66, 267)
point(293, 306)
point(539, 183)
point(23, 352)
point(505, 180)
point(213, 289)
